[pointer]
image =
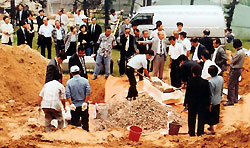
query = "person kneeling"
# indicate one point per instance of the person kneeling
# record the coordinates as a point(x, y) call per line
point(78, 94)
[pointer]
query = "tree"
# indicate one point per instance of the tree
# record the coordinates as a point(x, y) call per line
point(229, 11)
point(192, 2)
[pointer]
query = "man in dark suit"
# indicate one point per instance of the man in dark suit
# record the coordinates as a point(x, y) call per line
point(21, 14)
point(207, 41)
point(22, 34)
point(197, 101)
point(128, 49)
point(39, 19)
point(196, 50)
point(30, 29)
point(94, 30)
point(78, 59)
point(54, 71)
point(219, 56)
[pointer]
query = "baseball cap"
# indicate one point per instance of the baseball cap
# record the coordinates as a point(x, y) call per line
point(74, 68)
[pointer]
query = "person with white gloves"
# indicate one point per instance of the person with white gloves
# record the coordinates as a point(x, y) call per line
point(78, 94)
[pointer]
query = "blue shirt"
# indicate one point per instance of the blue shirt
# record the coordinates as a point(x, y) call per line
point(77, 88)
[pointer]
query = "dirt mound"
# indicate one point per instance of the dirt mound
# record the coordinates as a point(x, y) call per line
point(144, 112)
point(22, 74)
point(244, 84)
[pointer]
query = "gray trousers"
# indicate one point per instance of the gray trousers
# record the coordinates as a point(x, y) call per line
point(52, 114)
point(233, 85)
point(158, 65)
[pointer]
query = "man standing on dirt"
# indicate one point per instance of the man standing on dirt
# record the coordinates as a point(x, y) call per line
point(197, 101)
point(106, 42)
point(137, 62)
point(78, 95)
point(51, 99)
point(235, 72)
point(54, 71)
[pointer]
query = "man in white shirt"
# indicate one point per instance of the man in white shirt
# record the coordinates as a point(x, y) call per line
point(114, 18)
point(175, 50)
point(179, 27)
point(51, 99)
point(186, 43)
point(45, 33)
point(207, 63)
point(78, 18)
point(7, 31)
point(159, 27)
point(137, 62)
point(63, 19)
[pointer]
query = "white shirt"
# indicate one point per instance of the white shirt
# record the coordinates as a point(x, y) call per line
point(154, 34)
point(207, 64)
point(23, 32)
point(51, 93)
point(186, 45)
point(214, 55)
point(59, 34)
point(78, 19)
point(127, 44)
point(46, 30)
point(195, 56)
point(161, 47)
point(113, 18)
point(138, 62)
point(20, 15)
point(175, 51)
point(63, 18)
point(93, 28)
point(7, 28)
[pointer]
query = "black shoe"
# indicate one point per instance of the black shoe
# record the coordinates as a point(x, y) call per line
point(210, 133)
point(228, 104)
point(235, 102)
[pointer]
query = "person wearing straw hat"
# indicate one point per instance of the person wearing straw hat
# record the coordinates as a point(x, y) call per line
point(78, 95)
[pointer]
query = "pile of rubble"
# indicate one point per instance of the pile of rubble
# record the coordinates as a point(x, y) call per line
point(144, 112)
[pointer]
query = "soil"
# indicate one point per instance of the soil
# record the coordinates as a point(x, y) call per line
point(22, 75)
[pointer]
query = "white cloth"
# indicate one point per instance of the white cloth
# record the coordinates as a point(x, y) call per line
point(207, 64)
point(175, 51)
point(59, 34)
point(195, 56)
point(138, 62)
point(113, 18)
point(7, 28)
point(154, 34)
point(78, 19)
point(186, 45)
point(161, 47)
point(215, 53)
point(46, 30)
point(52, 93)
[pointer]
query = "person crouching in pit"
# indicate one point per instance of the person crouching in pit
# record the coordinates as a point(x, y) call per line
point(78, 94)
point(135, 63)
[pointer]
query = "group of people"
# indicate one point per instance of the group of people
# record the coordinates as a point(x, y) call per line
point(197, 64)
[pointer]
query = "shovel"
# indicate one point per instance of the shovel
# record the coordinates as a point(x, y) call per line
point(170, 90)
point(142, 75)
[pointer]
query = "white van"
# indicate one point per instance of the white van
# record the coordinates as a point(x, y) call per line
point(195, 18)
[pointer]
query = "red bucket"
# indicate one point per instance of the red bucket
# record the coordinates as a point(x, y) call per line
point(134, 133)
point(174, 128)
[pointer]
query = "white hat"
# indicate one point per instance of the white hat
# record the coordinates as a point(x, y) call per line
point(84, 17)
point(74, 68)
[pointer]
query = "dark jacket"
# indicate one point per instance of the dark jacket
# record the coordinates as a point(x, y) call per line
point(186, 73)
point(201, 49)
point(197, 94)
point(39, 21)
point(221, 59)
point(131, 48)
point(21, 36)
point(24, 16)
point(142, 47)
point(95, 36)
point(74, 60)
point(208, 43)
point(85, 37)
point(53, 71)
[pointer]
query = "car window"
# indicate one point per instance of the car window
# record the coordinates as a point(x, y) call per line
point(143, 19)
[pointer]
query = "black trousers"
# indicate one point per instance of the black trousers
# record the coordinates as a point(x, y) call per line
point(46, 42)
point(72, 49)
point(122, 63)
point(84, 116)
point(59, 46)
point(175, 74)
point(132, 91)
point(192, 114)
